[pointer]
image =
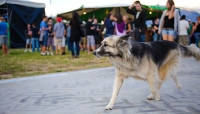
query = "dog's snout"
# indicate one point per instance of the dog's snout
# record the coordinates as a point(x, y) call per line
point(95, 53)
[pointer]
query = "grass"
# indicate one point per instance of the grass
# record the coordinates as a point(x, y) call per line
point(20, 64)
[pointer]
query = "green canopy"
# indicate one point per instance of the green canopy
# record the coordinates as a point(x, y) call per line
point(100, 13)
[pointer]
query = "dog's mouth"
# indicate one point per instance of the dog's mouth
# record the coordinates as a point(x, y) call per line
point(99, 55)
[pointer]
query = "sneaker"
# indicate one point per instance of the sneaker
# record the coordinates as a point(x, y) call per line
point(25, 50)
point(30, 50)
point(51, 53)
point(43, 54)
point(47, 53)
point(63, 53)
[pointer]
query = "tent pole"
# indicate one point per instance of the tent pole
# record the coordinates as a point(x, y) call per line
point(51, 8)
point(93, 13)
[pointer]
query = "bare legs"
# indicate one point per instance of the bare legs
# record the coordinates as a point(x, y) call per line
point(168, 37)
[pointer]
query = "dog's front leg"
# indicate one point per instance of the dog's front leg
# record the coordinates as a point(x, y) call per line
point(117, 85)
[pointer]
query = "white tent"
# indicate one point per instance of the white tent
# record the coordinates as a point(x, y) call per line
point(61, 6)
point(186, 4)
point(23, 3)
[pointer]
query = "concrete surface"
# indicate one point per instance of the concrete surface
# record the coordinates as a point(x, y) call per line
point(89, 91)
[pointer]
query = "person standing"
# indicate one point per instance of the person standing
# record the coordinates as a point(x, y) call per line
point(3, 36)
point(34, 39)
point(197, 31)
point(96, 33)
point(28, 34)
point(75, 37)
point(68, 37)
point(64, 39)
point(156, 36)
point(50, 42)
point(140, 19)
point(183, 35)
point(119, 25)
point(59, 32)
point(90, 35)
point(169, 22)
point(192, 37)
point(109, 25)
point(128, 24)
point(44, 34)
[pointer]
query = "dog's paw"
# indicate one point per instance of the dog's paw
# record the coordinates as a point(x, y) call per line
point(179, 87)
point(150, 97)
point(157, 97)
point(109, 107)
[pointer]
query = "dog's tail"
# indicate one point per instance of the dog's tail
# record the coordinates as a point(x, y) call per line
point(190, 51)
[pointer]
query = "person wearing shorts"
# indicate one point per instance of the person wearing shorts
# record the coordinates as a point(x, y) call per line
point(90, 35)
point(169, 22)
point(63, 45)
point(50, 42)
point(3, 43)
point(59, 32)
point(3, 36)
point(183, 34)
point(44, 34)
point(64, 39)
point(58, 44)
point(28, 34)
point(96, 33)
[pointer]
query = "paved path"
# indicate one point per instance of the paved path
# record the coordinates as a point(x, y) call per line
point(89, 91)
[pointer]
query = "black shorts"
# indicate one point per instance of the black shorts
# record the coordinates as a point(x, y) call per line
point(41, 43)
point(97, 39)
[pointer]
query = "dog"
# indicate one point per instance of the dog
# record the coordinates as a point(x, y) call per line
point(153, 62)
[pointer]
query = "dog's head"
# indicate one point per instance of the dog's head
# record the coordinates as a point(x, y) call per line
point(112, 46)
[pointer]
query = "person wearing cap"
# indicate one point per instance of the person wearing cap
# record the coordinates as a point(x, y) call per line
point(59, 32)
point(183, 35)
point(3, 36)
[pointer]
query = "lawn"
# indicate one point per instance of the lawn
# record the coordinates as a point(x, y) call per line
point(20, 64)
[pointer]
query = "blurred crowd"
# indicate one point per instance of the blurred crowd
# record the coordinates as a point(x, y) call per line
point(52, 38)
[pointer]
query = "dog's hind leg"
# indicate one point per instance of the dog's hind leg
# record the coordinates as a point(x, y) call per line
point(174, 77)
point(159, 84)
point(154, 92)
point(117, 85)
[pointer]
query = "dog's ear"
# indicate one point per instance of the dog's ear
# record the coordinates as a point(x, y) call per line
point(125, 37)
point(123, 40)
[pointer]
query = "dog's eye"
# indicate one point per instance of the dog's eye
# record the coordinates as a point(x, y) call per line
point(105, 45)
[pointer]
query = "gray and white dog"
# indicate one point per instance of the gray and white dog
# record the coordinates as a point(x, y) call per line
point(153, 62)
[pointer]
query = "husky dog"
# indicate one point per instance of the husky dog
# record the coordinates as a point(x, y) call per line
point(153, 62)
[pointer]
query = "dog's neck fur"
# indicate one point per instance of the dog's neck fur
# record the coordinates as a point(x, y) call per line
point(125, 59)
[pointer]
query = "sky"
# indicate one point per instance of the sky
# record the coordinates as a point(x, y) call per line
point(61, 6)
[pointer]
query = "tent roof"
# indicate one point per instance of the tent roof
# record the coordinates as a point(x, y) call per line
point(23, 3)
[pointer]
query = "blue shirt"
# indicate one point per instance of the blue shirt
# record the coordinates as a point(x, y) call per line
point(68, 31)
point(3, 28)
point(109, 26)
point(43, 24)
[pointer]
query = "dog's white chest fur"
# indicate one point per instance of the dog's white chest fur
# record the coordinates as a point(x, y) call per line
point(132, 68)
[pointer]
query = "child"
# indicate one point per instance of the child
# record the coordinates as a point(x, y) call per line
point(28, 34)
